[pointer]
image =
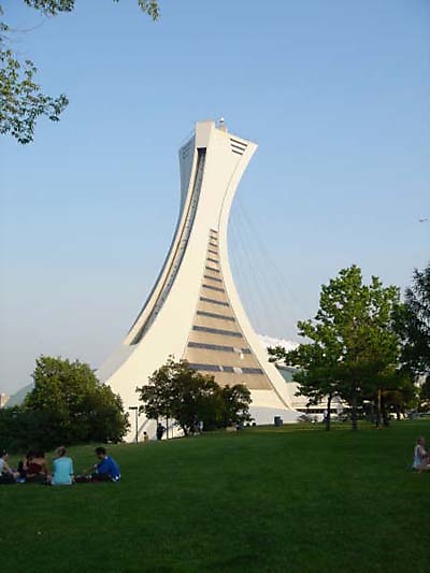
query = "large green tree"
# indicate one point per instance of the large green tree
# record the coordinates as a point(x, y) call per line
point(413, 323)
point(177, 392)
point(425, 394)
point(235, 405)
point(352, 344)
point(22, 101)
point(75, 407)
point(319, 381)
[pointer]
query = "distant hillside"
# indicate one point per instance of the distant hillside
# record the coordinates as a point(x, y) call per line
point(18, 398)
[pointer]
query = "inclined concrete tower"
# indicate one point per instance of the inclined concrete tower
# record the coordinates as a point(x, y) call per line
point(194, 311)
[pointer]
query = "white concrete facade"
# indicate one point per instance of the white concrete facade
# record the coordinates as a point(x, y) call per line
point(194, 310)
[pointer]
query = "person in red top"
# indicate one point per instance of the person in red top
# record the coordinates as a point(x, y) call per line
point(37, 469)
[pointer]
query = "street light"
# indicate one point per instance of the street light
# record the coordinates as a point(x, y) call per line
point(136, 415)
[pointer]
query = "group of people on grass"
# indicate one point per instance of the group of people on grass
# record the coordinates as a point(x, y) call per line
point(34, 469)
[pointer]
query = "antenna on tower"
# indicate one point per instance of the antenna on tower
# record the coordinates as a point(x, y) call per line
point(221, 124)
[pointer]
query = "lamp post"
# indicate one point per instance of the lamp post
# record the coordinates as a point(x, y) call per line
point(136, 415)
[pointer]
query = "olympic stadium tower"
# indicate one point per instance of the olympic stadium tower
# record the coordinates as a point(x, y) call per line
point(194, 310)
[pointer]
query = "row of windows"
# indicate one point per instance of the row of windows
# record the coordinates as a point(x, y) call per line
point(212, 260)
point(214, 315)
point(219, 347)
point(233, 369)
point(213, 288)
point(212, 269)
point(238, 143)
point(216, 279)
point(211, 244)
point(252, 371)
point(218, 331)
point(211, 300)
point(206, 367)
point(213, 251)
point(316, 410)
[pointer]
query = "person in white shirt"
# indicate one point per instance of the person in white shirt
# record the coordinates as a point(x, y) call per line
point(421, 461)
point(7, 476)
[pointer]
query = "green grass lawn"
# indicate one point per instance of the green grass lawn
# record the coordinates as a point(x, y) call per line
point(264, 500)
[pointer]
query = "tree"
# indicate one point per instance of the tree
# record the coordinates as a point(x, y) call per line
point(235, 405)
point(353, 345)
point(177, 392)
point(413, 324)
point(21, 429)
point(424, 394)
point(22, 101)
point(404, 395)
point(317, 377)
point(72, 405)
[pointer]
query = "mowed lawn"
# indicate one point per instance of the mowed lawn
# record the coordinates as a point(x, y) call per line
point(262, 500)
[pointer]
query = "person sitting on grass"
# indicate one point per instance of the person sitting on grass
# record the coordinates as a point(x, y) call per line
point(106, 469)
point(63, 468)
point(37, 469)
point(421, 461)
point(23, 466)
point(7, 475)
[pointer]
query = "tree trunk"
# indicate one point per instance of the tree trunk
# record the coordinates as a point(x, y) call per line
point(354, 409)
point(328, 417)
point(385, 415)
point(378, 408)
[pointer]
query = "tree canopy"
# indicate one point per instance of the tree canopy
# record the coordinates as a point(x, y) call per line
point(22, 101)
point(177, 392)
point(353, 350)
point(413, 323)
point(68, 405)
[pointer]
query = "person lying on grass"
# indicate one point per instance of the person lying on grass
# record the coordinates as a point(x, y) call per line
point(105, 470)
point(63, 468)
point(421, 461)
point(7, 475)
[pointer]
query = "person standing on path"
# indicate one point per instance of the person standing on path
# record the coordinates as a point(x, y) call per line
point(160, 430)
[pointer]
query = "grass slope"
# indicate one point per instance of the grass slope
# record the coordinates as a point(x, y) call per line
point(278, 500)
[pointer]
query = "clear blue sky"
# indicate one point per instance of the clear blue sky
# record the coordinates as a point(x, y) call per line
point(335, 93)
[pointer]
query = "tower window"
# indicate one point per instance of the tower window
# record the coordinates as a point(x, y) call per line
point(213, 288)
point(215, 315)
point(218, 331)
point(213, 301)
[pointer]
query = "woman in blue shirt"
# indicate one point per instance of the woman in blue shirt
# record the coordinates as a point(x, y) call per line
point(63, 469)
